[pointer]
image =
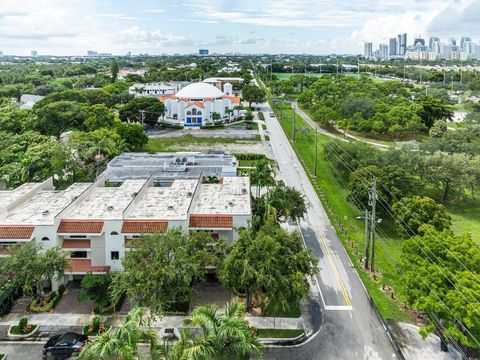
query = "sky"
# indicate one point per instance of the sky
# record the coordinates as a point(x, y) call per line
point(72, 27)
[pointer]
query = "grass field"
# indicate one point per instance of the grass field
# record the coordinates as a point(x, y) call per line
point(285, 76)
point(466, 218)
point(332, 191)
point(279, 333)
point(172, 144)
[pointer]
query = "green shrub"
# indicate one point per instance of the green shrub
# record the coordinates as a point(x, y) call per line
point(261, 116)
point(249, 115)
point(95, 288)
point(23, 327)
point(95, 327)
point(249, 156)
point(42, 304)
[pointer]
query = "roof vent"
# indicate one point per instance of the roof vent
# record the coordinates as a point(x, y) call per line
point(170, 207)
point(45, 212)
point(230, 203)
point(134, 194)
point(244, 191)
point(110, 208)
point(189, 194)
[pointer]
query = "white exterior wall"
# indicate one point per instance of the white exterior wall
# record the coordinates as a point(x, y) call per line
point(97, 254)
point(48, 231)
point(113, 243)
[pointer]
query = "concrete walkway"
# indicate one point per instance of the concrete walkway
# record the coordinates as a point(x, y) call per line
point(75, 320)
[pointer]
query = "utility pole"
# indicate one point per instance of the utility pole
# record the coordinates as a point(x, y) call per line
point(444, 72)
point(372, 201)
point(358, 66)
point(337, 66)
point(316, 154)
point(367, 240)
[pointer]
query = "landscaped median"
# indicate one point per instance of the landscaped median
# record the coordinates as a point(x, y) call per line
point(22, 330)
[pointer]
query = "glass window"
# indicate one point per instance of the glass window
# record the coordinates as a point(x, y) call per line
point(78, 236)
point(194, 111)
point(45, 239)
point(78, 255)
point(199, 113)
point(114, 255)
point(114, 233)
point(189, 112)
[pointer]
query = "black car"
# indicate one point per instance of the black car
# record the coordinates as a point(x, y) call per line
point(62, 346)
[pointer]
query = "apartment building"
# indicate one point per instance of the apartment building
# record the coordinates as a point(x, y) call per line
point(96, 222)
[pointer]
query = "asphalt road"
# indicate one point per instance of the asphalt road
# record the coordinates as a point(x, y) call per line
point(21, 350)
point(350, 329)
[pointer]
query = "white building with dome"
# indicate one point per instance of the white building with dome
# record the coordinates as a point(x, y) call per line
point(200, 104)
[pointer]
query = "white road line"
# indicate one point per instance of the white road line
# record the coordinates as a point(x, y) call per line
point(339, 307)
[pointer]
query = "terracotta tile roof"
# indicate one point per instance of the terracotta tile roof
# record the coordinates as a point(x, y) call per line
point(209, 99)
point(84, 266)
point(80, 227)
point(211, 221)
point(16, 232)
point(233, 99)
point(76, 244)
point(164, 98)
point(143, 226)
point(198, 103)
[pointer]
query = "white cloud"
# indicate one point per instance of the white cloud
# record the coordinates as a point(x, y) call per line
point(154, 11)
point(151, 38)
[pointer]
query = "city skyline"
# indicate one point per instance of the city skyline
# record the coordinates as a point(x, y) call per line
point(316, 27)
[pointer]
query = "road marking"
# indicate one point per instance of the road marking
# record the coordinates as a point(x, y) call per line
point(337, 275)
point(339, 307)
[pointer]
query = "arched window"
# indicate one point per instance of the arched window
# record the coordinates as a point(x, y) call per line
point(194, 111)
point(199, 113)
point(114, 233)
point(189, 112)
point(45, 239)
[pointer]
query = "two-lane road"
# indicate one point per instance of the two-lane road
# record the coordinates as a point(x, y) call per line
point(351, 329)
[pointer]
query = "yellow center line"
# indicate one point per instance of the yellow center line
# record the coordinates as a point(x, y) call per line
point(337, 274)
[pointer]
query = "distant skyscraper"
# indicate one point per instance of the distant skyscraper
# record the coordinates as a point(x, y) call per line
point(401, 44)
point(34, 53)
point(92, 53)
point(464, 41)
point(432, 41)
point(203, 51)
point(368, 50)
point(1, 53)
point(383, 51)
point(419, 41)
point(393, 47)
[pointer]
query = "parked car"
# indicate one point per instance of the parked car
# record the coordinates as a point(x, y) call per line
point(63, 346)
point(272, 114)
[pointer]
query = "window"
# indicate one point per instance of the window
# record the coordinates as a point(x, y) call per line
point(199, 113)
point(114, 255)
point(78, 236)
point(189, 112)
point(194, 112)
point(78, 255)
point(114, 233)
point(45, 238)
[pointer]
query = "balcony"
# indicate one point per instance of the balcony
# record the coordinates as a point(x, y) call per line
point(71, 244)
point(82, 266)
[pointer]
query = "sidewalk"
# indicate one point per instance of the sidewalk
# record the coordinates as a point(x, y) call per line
point(79, 320)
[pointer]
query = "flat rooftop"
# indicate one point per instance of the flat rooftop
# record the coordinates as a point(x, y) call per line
point(9, 196)
point(106, 203)
point(165, 203)
point(231, 197)
point(181, 165)
point(42, 207)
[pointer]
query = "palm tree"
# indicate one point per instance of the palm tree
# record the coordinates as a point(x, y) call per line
point(122, 342)
point(263, 175)
point(225, 335)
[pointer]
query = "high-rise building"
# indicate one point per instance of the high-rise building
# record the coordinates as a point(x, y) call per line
point(432, 41)
point(401, 44)
point(368, 50)
point(419, 42)
point(393, 47)
point(1, 53)
point(92, 53)
point(383, 51)
point(203, 52)
point(463, 42)
point(34, 53)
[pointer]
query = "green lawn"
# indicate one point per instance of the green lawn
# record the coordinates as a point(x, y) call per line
point(466, 218)
point(285, 76)
point(332, 191)
point(174, 143)
point(279, 333)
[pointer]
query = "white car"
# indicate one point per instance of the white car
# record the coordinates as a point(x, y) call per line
point(272, 114)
